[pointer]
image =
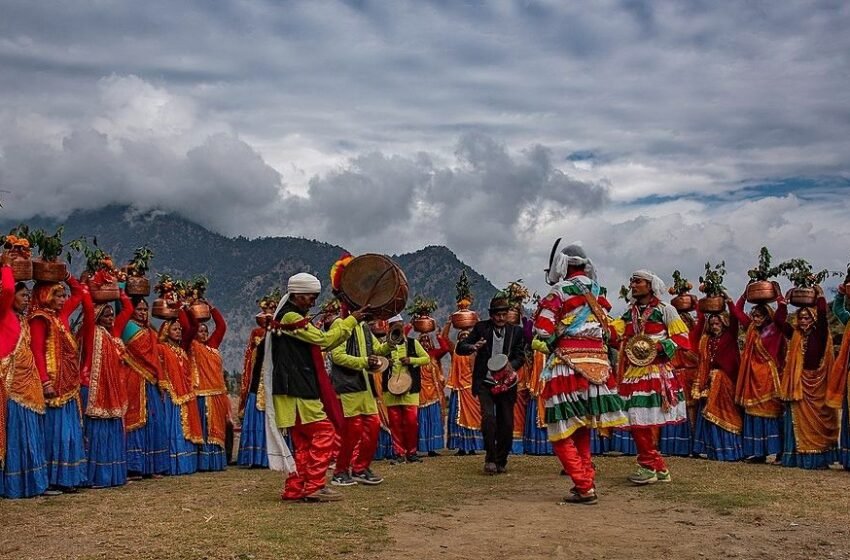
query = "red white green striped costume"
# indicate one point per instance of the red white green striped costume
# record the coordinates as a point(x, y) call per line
point(571, 401)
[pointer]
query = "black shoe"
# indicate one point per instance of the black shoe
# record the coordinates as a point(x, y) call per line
point(343, 479)
point(414, 458)
point(367, 477)
point(433, 454)
point(460, 453)
point(578, 498)
point(471, 452)
point(490, 468)
point(501, 469)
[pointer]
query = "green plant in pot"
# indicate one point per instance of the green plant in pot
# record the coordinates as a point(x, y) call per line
point(682, 300)
point(48, 268)
point(804, 279)
point(420, 309)
point(760, 288)
point(711, 284)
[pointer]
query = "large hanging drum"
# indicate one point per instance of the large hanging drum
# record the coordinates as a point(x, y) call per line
point(376, 281)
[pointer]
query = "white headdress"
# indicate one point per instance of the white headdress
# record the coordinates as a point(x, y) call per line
point(657, 284)
point(571, 255)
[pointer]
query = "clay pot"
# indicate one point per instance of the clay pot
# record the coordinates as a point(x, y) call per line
point(21, 268)
point(49, 271)
point(761, 291)
point(712, 304)
point(684, 303)
point(200, 310)
point(514, 317)
point(160, 310)
point(137, 286)
point(105, 292)
point(803, 297)
point(424, 324)
point(464, 319)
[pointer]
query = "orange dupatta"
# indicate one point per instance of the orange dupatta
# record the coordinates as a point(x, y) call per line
point(460, 380)
point(257, 336)
point(719, 391)
point(837, 389)
point(107, 389)
point(815, 417)
point(176, 371)
point(208, 375)
point(757, 389)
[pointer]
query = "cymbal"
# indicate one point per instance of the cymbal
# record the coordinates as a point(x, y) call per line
point(383, 364)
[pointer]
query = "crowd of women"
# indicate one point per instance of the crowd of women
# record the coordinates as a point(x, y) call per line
point(110, 401)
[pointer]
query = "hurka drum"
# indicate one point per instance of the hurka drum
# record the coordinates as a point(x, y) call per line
point(376, 281)
point(400, 382)
point(501, 375)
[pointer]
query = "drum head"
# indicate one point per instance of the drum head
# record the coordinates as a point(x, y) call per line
point(497, 362)
point(375, 280)
point(399, 383)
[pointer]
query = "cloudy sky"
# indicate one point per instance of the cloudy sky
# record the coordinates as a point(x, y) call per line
point(659, 134)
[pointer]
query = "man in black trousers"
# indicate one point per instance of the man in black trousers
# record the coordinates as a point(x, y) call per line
point(490, 338)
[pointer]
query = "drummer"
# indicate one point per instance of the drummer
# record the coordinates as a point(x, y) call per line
point(403, 409)
point(490, 338)
point(351, 373)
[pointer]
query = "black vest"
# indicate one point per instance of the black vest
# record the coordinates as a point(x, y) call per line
point(415, 374)
point(294, 372)
point(347, 380)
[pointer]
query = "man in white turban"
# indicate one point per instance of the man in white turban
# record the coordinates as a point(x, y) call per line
point(651, 332)
point(299, 395)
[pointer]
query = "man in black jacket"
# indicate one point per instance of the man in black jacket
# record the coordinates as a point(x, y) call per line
point(487, 339)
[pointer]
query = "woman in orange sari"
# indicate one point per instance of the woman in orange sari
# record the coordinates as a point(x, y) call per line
point(144, 422)
point(182, 420)
point(252, 409)
point(811, 420)
point(838, 386)
point(105, 401)
point(57, 358)
point(432, 397)
point(719, 424)
point(209, 386)
point(757, 390)
point(464, 425)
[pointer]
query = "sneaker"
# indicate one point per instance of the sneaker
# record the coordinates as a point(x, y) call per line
point(664, 476)
point(577, 497)
point(414, 458)
point(367, 477)
point(324, 495)
point(643, 476)
point(490, 468)
point(343, 479)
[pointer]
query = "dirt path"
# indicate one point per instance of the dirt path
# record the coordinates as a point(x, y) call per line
point(629, 524)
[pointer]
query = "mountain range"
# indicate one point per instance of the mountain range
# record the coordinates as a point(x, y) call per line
point(242, 270)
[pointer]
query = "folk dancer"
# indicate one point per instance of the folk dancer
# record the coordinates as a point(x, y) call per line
point(209, 386)
point(56, 355)
point(580, 391)
point(464, 417)
point(757, 390)
point(406, 358)
point(299, 394)
point(252, 402)
point(23, 466)
point(651, 332)
point(812, 393)
point(432, 396)
point(351, 373)
point(489, 338)
point(719, 423)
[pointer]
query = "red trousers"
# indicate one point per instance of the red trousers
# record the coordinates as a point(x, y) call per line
point(648, 455)
point(404, 425)
point(574, 454)
point(359, 442)
point(313, 445)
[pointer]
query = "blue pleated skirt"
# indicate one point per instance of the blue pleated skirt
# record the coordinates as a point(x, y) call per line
point(147, 446)
point(599, 445)
point(790, 457)
point(675, 439)
point(24, 474)
point(106, 449)
point(182, 453)
point(385, 448)
point(761, 436)
point(715, 442)
point(460, 438)
point(535, 441)
point(431, 433)
point(211, 457)
point(252, 437)
point(622, 442)
point(64, 445)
